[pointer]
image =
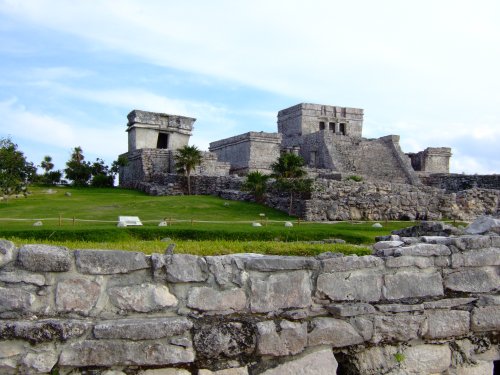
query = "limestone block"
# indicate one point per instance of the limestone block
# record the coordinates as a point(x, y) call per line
point(409, 261)
point(447, 323)
point(185, 268)
point(474, 280)
point(224, 339)
point(11, 349)
point(427, 359)
point(224, 269)
point(37, 332)
point(77, 295)
point(321, 362)
point(279, 263)
point(334, 332)
point(352, 262)
point(441, 240)
point(228, 371)
point(280, 291)
point(45, 258)
point(209, 299)
point(142, 298)
point(116, 352)
point(21, 276)
point(165, 371)
point(8, 252)
point(40, 362)
point(381, 245)
point(413, 284)
point(399, 327)
point(107, 262)
point(289, 340)
point(448, 303)
point(375, 360)
point(142, 329)
point(15, 299)
point(397, 307)
point(480, 368)
point(484, 257)
point(466, 243)
point(488, 299)
point(350, 309)
point(364, 326)
point(482, 224)
point(485, 319)
point(347, 286)
point(423, 250)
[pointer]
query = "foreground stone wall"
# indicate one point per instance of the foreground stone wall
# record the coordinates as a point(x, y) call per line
point(428, 305)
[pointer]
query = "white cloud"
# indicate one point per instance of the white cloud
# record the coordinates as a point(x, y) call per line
point(425, 70)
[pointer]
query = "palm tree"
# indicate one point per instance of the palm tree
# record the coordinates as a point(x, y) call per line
point(186, 159)
point(256, 183)
point(47, 164)
point(289, 172)
point(288, 165)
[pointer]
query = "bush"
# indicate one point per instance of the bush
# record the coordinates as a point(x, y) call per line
point(355, 178)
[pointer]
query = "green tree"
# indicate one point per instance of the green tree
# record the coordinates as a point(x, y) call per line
point(49, 177)
point(78, 170)
point(15, 171)
point(101, 174)
point(186, 160)
point(289, 173)
point(47, 164)
point(256, 184)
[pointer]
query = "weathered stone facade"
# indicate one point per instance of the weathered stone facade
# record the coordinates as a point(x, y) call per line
point(426, 305)
point(431, 160)
point(249, 152)
point(148, 130)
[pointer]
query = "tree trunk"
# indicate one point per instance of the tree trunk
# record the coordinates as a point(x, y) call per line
point(290, 208)
point(189, 183)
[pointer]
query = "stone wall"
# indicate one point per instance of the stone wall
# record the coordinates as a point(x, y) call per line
point(427, 305)
point(457, 182)
point(349, 200)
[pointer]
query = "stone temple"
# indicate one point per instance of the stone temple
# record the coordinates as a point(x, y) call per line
point(329, 138)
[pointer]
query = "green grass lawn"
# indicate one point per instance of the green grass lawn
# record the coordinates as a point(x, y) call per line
point(197, 222)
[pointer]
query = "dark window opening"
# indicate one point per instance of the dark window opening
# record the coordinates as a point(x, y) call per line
point(331, 126)
point(162, 141)
point(496, 367)
point(321, 125)
point(342, 129)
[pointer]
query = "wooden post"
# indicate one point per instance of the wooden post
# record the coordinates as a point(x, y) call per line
point(191, 221)
point(298, 221)
point(266, 221)
point(60, 219)
point(74, 220)
point(170, 221)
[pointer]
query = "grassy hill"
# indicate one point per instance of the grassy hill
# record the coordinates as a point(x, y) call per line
point(87, 217)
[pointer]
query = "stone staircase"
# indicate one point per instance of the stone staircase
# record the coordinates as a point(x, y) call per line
point(372, 159)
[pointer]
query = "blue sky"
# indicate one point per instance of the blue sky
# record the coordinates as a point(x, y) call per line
point(70, 71)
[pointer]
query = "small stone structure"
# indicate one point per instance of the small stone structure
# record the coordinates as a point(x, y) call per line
point(420, 305)
point(431, 160)
point(249, 152)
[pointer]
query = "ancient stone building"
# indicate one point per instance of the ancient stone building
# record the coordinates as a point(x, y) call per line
point(329, 138)
point(252, 151)
point(158, 130)
point(431, 160)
